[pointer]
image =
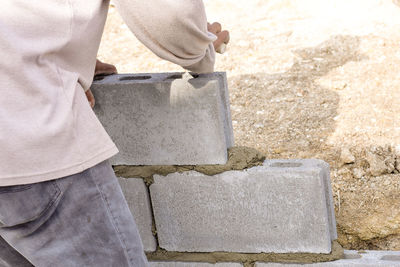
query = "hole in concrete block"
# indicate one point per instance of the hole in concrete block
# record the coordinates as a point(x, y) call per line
point(286, 164)
point(194, 75)
point(352, 256)
point(391, 258)
point(133, 78)
point(174, 76)
point(99, 77)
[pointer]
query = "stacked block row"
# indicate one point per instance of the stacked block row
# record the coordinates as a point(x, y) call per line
point(351, 259)
point(283, 206)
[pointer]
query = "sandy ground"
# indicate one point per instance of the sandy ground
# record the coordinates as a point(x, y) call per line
point(310, 79)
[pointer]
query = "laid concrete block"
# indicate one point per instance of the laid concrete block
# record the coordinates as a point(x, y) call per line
point(167, 118)
point(280, 207)
point(136, 195)
point(194, 264)
point(351, 259)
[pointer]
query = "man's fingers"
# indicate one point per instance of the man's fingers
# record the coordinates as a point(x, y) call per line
point(223, 38)
point(104, 68)
point(227, 36)
point(90, 97)
point(214, 28)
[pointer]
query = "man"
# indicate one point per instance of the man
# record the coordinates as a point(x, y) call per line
point(60, 203)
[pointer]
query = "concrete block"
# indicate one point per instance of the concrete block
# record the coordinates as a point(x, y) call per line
point(166, 118)
point(194, 264)
point(137, 196)
point(280, 207)
point(351, 259)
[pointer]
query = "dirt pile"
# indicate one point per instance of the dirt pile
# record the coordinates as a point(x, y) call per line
point(367, 193)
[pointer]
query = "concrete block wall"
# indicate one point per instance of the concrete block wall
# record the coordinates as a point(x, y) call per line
point(167, 118)
point(238, 213)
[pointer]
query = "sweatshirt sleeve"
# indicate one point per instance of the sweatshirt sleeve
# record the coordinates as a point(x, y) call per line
point(175, 30)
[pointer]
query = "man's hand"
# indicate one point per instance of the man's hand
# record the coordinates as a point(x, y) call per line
point(222, 36)
point(100, 69)
point(104, 68)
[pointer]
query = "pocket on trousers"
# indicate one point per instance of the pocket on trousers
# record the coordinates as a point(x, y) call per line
point(24, 203)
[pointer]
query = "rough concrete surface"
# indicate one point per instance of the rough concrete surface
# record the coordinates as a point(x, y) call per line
point(279, 207)
point(193, 264)
point(239, 158)
point(166, 119)
point(224, 94)
point(352, 259)
point(308, 78)
point(137, 196)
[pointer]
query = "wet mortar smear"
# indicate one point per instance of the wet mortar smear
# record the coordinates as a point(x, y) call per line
point(214, 257)
point(239, 158)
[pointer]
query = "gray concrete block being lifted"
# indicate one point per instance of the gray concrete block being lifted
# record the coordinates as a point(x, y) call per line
point(136, 195)
point(351, 259)
point(283, 206)
point(193, 264)
point(166, 118)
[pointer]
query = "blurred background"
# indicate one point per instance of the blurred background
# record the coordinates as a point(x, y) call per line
point(310, 79)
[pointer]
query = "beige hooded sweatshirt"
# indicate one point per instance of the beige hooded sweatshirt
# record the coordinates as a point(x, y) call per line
point(48, 52)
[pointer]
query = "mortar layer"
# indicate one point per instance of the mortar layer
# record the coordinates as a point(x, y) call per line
point(239, 158)
point(214, 257)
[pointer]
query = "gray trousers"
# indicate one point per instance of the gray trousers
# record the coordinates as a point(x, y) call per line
point(79, 220)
